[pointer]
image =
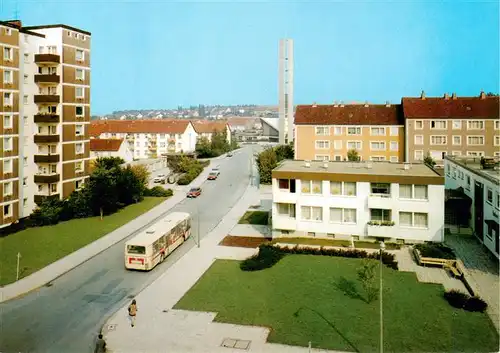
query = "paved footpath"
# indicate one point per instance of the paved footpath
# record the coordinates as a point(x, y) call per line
point(159, 328)
point(67, 263)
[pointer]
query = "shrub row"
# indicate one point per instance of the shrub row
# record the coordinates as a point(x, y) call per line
point(436, 250)
point(464, 301)
point(194, 169)
point(158, 191)
point(269, 255)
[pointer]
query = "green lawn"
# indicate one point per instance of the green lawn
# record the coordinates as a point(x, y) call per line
point(313, 241)
point(254, 217)
point(316, 298)
point(41, 246)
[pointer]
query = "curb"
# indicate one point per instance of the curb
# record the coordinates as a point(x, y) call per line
point(62, 266)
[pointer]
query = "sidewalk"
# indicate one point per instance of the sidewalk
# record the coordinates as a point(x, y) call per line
point(159, 328)
point(67, 263)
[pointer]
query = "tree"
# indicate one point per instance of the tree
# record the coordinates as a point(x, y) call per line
point(219, 142)
point(429, 161)
point(142, 173)
point(353, 156)
point(108, 162)
point(77, 205)
point(491, 94)
point(284, 152)
point(131, 188)
point(266, 162)
point(366, 275)
point(104, 193)
point(204, 148)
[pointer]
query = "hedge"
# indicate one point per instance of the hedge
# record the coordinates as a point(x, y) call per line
point(269, 255)
point(158, 191)
point(436, 250)
point(464, 301)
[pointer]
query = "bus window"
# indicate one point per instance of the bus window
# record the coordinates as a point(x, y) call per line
point(134, 249)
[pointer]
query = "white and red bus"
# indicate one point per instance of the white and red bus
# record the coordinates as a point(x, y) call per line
point(149, 248)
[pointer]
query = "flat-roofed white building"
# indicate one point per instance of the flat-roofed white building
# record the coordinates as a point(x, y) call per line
point(479, 179)
point(358, 200)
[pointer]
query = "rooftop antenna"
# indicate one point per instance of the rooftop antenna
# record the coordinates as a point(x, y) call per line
point(16, 11)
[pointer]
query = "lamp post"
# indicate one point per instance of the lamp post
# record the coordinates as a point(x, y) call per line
point(382, 247)
point(198, 224)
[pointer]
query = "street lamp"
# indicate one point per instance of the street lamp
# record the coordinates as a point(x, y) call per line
point(198, 223)
point(382, 247)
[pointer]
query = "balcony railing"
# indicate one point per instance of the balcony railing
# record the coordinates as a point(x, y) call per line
point(47, 78)
point(47, 58)
point(382, 229)
point(47, 178)
point(383, 201)
point(47, 98)
point(46, 138)
point(46, 158)
point(46, 118)
point(39, 199)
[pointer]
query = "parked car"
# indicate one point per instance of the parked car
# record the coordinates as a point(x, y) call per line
point(159, 178)
point(216, 170)
point(194, 193)
point(212, 176)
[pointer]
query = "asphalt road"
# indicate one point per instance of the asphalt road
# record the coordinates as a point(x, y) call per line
point(67, 315)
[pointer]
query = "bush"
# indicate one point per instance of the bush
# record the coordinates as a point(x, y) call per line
point(48, 213)
point(267, 257)
point(436, 250)
point(158, 191)
point(464, 301)
point(194, 169)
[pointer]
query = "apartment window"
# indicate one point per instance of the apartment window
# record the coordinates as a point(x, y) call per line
point(419, 155)
point(311, 187)
point(380, 215)
point(394, 131)
point(457, 124)
point(497, 124)
point(25, 120)
point(162, 144)
point(7, 143)
point(377, 158)
point(7, 99)
point(53, 187)
point(354, 131)
point(162, 136)
point(78, 130)
point(497, 140)
point(457, 140)
point(78, 184)
point(419, 124)
point(456, 153)
point(337, 144)
point(78, 167)
point(7, 54)
point(354, 145)
point(8, 31)
point(78, 148)
point(311, 213)
point(79, 93)
point(26, 58)
point(7, 76)
point(380, 188)
point(26, 79)
point(322, 144)
point(475, 125)
point(7, 166)
point(7, 210)
point(337, 130)
point(419, 139)
point(413, 219)
point(286, 209)
point(489, 195)
point(322, 130)
point(377, 131)
point(475, 140)
point(25, 181)
point(25, 99)
point(337, 158)
point(394, 146)
point(7, 121)
point(438, 124)
point(79, 55)
point(498, 200)
point(343, 188)
point(25, 140)
point(79, 74)
point(394, 159)
point(25, 202)
point(25, 161)
point(408, 191)
point(343, 215)
point(286, 184)
point(7, 188)
point(438, 140)
point(79, 110)
point(377, 146)
point(475, 154)
point(322, 157)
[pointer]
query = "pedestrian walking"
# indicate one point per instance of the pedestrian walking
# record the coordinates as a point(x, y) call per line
point(100, 345)
point(132, 312)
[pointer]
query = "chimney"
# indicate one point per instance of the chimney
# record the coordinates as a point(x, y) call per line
point(16, 23)
point(366, 104)
point(422, 95)
point(446, 96)
point(341, 103)
point(453, 95)
point(387, 104)
point(482, 95)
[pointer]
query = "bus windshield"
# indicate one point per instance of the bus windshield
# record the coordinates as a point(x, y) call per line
point(134, 249)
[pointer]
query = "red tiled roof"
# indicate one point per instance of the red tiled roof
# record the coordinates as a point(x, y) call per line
point(111, 145)
point(459, 107)
point(349, 114)
point(205, 126)
point(167, 126)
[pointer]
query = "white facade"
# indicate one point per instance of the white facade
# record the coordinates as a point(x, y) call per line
point(345, 209)
point(483, 187)
point(123, 152)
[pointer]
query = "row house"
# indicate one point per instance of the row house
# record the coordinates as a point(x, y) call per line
point(100, 148)
point(358, 200)
point(206, 129)
point(328, 132)
point(45, 115)
point(148, 138)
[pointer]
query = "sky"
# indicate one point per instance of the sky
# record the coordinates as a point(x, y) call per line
point(161, 54)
